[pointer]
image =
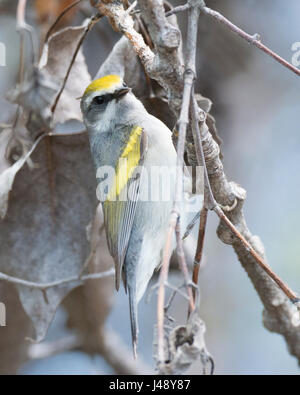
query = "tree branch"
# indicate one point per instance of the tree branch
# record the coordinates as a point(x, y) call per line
point(255, 39)
point(43, 287)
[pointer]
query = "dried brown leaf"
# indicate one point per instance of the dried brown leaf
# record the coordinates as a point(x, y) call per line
point(43, 84)
point(55, 61)
point(43, 237)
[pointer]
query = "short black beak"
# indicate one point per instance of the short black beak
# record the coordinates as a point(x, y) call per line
point(122, 91)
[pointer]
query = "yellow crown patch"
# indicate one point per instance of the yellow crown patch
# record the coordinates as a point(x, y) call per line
point(103, 84)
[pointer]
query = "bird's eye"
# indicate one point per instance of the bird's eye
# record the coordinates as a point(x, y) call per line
point(99, 100)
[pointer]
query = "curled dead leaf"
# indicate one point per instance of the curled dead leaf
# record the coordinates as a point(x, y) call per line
point(185, 345)
point(35, 96)
point(44, 83)
point(55, 61)
point(8, 171)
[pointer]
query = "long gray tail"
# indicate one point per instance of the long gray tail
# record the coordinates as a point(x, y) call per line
point(133, 316)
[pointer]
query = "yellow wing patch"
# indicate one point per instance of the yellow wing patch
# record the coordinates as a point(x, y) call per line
point(128, 161)
point(103, 84)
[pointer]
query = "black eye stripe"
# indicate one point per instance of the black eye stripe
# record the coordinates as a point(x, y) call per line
point(103, 99)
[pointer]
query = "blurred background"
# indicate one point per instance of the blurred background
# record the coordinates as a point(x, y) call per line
point(256, 104)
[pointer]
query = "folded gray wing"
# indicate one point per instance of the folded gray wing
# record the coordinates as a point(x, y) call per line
point(120, 206)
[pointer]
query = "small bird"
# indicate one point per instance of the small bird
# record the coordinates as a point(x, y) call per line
point(125, 137)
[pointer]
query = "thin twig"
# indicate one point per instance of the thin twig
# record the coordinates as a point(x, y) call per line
point(288, 292)
point(94, 19)
point(44, 286)
point(131, 7)
point(23, 26)
point(170, 301)
point(61, 15)
point(200, 244)
point(21, 59)
point(255, 40)
point(20, 16)
point(56, 134)
point(183, 266)
point(191, 225)
point(21, 12)
point(176, 10)
point(183, 121)
point(213, 205)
